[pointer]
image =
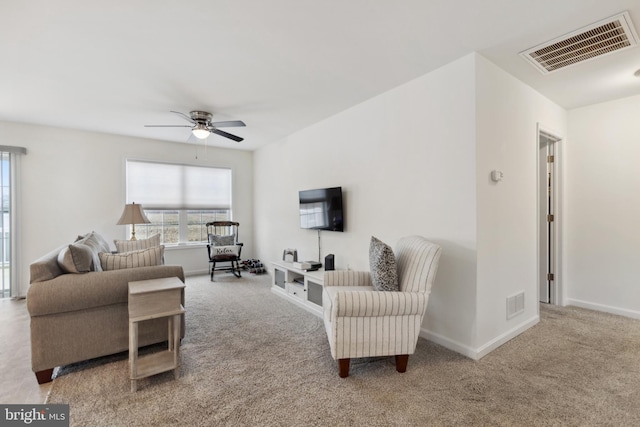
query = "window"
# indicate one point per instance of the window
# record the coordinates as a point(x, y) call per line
point(178, 199)
point(9, 253)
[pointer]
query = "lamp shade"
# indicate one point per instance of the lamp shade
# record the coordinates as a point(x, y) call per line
point(133, 214)
point(200, 131)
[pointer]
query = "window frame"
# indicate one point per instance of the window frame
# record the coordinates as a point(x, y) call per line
point(216, 213)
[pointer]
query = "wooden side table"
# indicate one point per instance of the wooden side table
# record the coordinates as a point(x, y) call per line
point(153, 299)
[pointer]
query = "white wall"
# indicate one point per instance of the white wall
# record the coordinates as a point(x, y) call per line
point(406, 162)
point(603, 207)
point(417, 160)
point(508, 113)
point(73, 182)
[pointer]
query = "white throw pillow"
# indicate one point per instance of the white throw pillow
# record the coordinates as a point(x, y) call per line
point(232, 250)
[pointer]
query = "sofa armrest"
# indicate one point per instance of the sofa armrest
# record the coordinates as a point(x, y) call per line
point(71, 292)
point(347, 278)
point(374, 303)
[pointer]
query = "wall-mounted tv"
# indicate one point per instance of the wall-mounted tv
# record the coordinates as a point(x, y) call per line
point(321, 209)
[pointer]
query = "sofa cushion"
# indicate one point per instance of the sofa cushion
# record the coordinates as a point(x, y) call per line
point(382, 263)
point(75, 262)
point(136, 245)
point(99, 242)
point(141, 258)
point(76, 258)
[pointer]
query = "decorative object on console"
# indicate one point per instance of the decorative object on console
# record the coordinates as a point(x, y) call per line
point(223, 246)
point(132, 215)
point(382, 263)
point(352, 308)
point(329, 262)
point(308, 265)
point(290, 255)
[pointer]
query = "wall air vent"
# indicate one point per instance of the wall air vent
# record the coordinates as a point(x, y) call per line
point(607, 36)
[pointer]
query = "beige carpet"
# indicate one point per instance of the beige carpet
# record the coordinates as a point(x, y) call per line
point(252, 359)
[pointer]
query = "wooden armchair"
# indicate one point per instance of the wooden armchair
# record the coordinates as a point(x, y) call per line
point(224, 247)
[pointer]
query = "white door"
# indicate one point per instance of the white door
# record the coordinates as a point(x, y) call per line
point(548, 226)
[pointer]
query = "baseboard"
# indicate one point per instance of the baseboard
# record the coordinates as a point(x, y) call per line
point(605, 308)
point(480, 352)
point(196, 272)
point(448, 343)
point(507, 336)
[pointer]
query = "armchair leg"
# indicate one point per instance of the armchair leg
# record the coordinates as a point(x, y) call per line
point(343, 367)
point(213, 268)
point(401, 362)
point(44, 376)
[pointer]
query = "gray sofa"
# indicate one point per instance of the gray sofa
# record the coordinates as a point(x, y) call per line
point(80, 316)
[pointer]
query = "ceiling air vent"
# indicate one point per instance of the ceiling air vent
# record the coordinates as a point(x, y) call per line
point(607, 36)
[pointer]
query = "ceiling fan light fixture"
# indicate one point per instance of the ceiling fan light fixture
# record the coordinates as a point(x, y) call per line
point(200, 131)
point(201, 125)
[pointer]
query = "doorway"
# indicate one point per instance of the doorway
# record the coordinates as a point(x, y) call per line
point(549, 151)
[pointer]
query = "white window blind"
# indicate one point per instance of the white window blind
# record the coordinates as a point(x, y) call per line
point(173, 186)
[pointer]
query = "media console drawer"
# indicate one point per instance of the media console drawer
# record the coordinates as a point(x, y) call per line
point(297, 290)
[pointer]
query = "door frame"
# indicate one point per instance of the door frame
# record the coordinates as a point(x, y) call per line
point(557, 292)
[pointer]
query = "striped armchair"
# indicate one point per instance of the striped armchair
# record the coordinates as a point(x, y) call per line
point(363, 322)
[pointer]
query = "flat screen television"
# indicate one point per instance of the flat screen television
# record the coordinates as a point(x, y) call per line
point(321, 209)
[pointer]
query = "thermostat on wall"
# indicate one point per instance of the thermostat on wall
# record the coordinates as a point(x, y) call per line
point(496, 175)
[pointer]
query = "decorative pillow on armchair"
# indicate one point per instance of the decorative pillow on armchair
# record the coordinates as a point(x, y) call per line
point(136, 245)
point(382, 263)
point(216, 240)
point(231, 250)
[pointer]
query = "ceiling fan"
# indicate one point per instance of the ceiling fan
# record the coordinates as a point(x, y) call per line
point(202, 125)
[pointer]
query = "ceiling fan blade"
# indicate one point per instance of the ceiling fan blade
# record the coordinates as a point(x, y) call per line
point(229, 124)
point(187, 118)
point(226, 135)
point(168, 126)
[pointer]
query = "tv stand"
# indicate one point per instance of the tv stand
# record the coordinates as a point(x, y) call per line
point(301, 287)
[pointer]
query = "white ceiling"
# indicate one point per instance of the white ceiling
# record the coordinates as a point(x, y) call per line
point(278, 65)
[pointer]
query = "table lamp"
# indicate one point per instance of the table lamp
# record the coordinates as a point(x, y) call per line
point(133, 214)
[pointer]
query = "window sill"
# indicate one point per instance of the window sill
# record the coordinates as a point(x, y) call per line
point(183, 246)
